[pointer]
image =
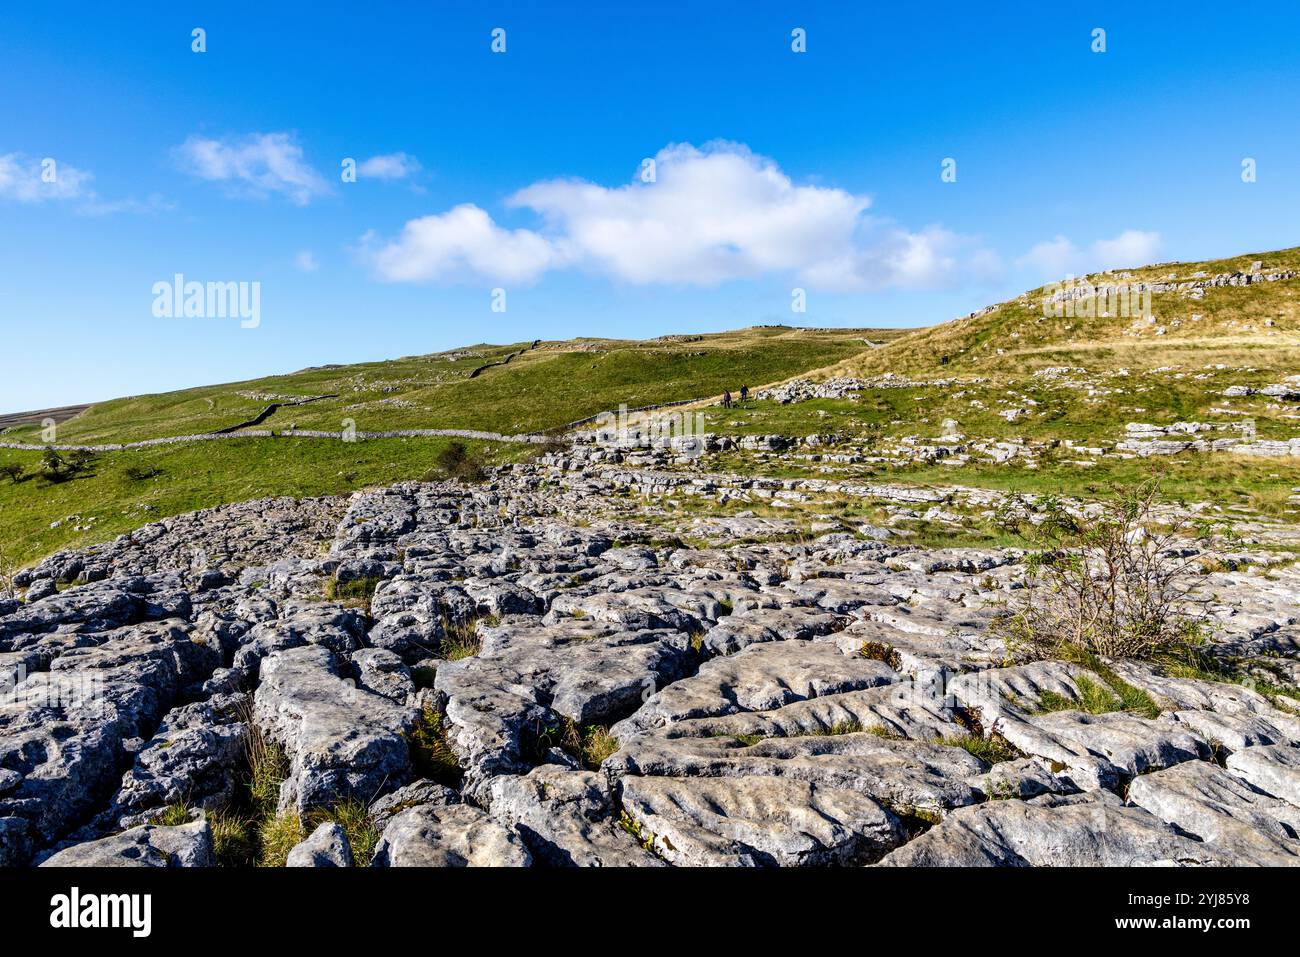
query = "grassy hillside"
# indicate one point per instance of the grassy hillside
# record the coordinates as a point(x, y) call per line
point(540, 388)
point(1009, 374)
point(1256, 325)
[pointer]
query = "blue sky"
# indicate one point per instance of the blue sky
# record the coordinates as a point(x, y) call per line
point(774, 170)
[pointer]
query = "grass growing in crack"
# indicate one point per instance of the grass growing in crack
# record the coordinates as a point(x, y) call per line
point(879, 651)
point(355, 593)
point(597, 745)
point(431, 754)
point(354, 818)
point(233, 840)
point(588, 744)
point(460, 639)
point(994, 749)
point(1108, 693)
point(173, 815)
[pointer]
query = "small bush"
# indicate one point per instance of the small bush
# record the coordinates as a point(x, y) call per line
point(53, 467)
point(139, 473)
point(455, 460)
point(12, 471)
point(1118, 586)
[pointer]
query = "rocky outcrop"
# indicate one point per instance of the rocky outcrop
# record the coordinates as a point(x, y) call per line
point(529, 671)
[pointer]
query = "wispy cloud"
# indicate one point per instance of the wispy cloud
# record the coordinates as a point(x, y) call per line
point(711, 215)
point(305, 261)
point(25, 179)
point(260, 164)
point(389, 166)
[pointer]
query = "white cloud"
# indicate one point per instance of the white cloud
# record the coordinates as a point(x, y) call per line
point(26, 179)
point(1130, 248)
point(1058, 257)
point(713, 214)
point(462, 241)
point(258, 164)
point(389, 166)
point(305, 261)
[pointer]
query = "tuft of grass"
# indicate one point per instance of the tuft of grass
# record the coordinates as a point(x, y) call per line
point(431, 754)
point(173, 815)
point(277, 836)
point(234, 839)
point(354, 817)
point(590, 745)
point(994, 749)
point(1108, 693)
point(597, 745)
point(460, 640)
point(355, 593)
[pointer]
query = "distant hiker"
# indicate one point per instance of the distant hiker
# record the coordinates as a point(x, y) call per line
point(726, 399)
point(744, 393)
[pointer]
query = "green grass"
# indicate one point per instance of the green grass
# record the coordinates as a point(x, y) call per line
point(199, 475)
point(590, 744)
point(354, 818)
point(355, 592)
point(539, 390)
point(1107, 694)
point(993, 749)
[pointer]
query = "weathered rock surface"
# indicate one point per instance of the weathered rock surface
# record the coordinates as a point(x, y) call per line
point(565, 819)
point(150, 845)
point(1029, 834)
point(327, 846)
point(457, 835)
point(342, 741)
point(771, 698)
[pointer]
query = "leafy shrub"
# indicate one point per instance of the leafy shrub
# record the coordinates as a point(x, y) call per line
point(12, 471)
